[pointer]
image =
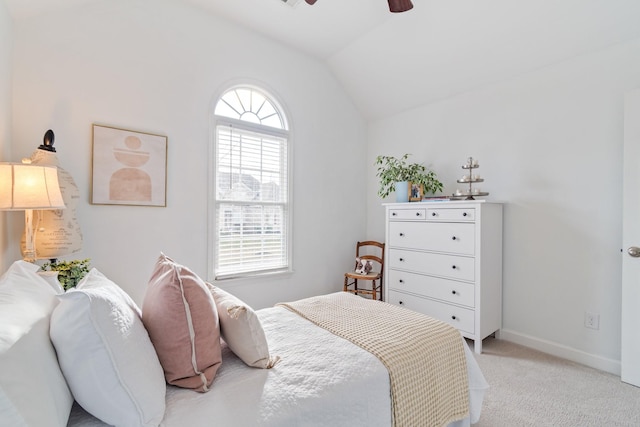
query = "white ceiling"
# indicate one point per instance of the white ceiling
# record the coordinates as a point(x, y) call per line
point(392, 62)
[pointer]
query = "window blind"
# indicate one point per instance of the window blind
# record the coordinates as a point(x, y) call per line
point(251, 202)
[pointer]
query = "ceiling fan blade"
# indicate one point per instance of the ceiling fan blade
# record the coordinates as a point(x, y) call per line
point(394, 5)
point(397, 5)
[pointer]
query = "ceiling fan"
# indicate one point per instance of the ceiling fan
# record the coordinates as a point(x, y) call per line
point(394, 5)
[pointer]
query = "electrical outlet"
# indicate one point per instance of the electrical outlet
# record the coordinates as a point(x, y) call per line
point(592, 320)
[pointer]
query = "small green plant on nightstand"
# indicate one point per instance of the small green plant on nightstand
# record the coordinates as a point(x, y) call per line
point(69, 272)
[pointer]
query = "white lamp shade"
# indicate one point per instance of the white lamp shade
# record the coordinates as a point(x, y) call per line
point(27, 186)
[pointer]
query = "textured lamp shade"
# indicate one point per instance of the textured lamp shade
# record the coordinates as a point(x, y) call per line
point(27, 187)
point(400, 5)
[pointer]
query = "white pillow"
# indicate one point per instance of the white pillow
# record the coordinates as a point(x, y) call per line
point(33, 391)
point(241, 329)
point(51, 277)
point(106, 355)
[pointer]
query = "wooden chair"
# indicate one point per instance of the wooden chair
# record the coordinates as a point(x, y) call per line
point(367, 250)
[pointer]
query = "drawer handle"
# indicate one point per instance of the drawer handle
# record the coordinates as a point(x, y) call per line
point(454, 267)
point(401, 281)
point(464, 214)
point(454, 238)
point(433, 214)
point(401, 234)
point(454, 317)
point(400, 302)
point(454, 292)
point(418, 214)
point(394, 214)
point(401, 259)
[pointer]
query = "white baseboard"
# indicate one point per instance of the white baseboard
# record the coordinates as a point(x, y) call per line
point(594, 361)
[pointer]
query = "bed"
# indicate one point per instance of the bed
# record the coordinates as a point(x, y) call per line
point(319, 379)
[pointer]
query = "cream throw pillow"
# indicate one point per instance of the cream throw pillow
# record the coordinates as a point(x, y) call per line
point(241, 329)
point(182, 320)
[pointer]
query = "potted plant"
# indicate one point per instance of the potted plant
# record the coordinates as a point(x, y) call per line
point(69, 272)
point(392, 170)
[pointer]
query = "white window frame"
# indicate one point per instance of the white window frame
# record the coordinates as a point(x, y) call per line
point(214, 202)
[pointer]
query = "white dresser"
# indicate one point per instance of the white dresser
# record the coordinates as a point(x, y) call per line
point(444, 259)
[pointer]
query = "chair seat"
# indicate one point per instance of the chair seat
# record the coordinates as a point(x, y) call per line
point(368, 276)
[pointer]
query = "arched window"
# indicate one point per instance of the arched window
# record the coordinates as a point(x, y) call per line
point(251, 176)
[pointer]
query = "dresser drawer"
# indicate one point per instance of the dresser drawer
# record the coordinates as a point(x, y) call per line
point(451, 266)
point(451, 214)
point(460, 318)
point(450, 291)
point(417, 214)
point(457, 238)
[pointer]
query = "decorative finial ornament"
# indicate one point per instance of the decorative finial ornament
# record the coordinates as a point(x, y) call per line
point(47, 141)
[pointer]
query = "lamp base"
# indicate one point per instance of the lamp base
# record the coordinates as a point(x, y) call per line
point(29, 254)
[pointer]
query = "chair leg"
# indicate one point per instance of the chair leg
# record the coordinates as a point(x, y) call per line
point(345, 287)
point(373, 288)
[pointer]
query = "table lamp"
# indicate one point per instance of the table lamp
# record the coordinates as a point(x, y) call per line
point(58, 232)
point(28, 187)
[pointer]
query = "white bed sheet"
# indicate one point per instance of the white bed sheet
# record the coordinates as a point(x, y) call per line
point(321, 380)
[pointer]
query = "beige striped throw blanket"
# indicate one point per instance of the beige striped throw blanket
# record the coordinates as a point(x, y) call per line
point(425, 357)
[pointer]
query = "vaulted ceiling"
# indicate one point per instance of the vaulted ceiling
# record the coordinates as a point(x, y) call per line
point(391, 62)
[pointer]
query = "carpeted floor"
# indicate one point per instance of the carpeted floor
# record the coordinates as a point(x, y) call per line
point(529, 388)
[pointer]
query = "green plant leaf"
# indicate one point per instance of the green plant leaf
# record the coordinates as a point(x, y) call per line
point(69, 272)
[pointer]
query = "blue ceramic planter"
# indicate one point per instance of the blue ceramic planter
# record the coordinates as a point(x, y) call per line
point(402, 192)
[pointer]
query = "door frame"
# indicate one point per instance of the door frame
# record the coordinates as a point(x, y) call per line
point(630, 313)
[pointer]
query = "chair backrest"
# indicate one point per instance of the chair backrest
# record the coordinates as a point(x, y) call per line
point(371, 250)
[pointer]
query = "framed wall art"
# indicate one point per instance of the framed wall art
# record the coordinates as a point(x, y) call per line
point(128, 167)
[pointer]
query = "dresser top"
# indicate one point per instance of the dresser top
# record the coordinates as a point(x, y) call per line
point(448, 203)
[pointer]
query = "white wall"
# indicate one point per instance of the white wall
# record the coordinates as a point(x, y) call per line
point(549, 144)
point(6, 42)
point(156, 66)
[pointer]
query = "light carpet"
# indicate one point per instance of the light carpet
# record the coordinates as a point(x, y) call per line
point(530, 388)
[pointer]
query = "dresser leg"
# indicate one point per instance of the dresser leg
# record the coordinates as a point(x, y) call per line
point(477, 346)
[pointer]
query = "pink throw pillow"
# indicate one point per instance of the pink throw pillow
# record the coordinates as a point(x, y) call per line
point(181, 318)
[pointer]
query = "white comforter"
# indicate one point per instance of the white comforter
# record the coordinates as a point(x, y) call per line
point(321, 380)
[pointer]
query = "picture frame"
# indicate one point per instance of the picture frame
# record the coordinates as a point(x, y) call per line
point(128, 167)
point(416, 192)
